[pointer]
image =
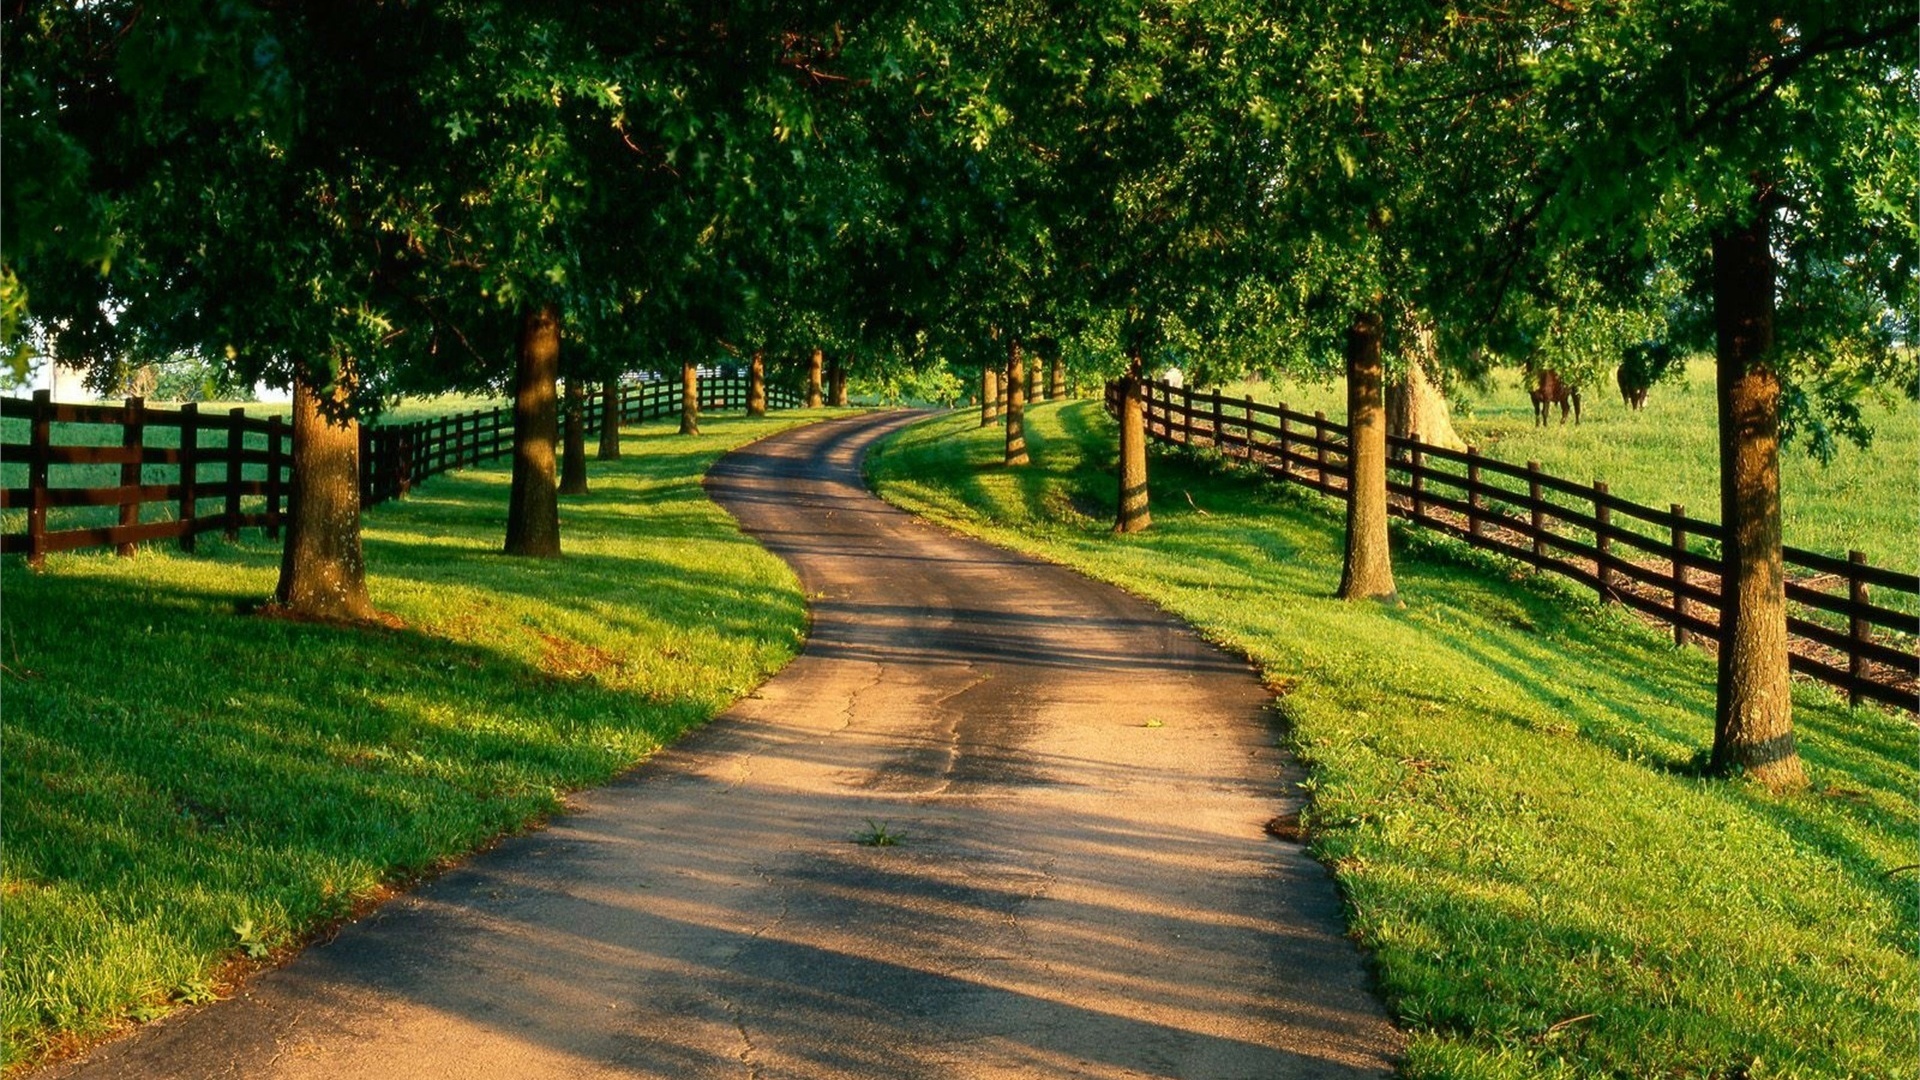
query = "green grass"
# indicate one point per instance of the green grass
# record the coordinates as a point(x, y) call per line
point(186, 784)
point(1667, 453)
point(1503, 782)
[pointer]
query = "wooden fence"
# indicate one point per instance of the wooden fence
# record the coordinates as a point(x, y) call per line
point(1850, 625)
point(126, 474)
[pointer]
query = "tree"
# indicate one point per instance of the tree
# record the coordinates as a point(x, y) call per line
point(610, 420)
point(533, 505)
point(1768, 154)
point(1016, 380)
point(573, 461)
point(1368, 570)
point(1132, 514)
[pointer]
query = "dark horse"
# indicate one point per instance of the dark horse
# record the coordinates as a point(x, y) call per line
point(1547, 389)
point(1642, 365)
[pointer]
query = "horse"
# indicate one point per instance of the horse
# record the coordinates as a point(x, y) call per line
point(1547, 389)
point(1642, 365)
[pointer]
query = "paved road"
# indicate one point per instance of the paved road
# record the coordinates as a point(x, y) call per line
point(1081, 887)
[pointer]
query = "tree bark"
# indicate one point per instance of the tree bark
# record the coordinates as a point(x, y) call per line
point(837, 385)
point(1016, 405)
point(1415, 405)
point(1753, 717)
point(1132, 515)
point(1036, 379)
point(757, 384)
point(1057, 384)
point(1368, 573)
point(610, 420)
point(573, 462)
point(989, 394)
point(323, 573)
point(690, 398)
point(814, 362)
point(533, 507)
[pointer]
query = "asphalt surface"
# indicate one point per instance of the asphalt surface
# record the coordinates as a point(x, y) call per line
point(1081, 884)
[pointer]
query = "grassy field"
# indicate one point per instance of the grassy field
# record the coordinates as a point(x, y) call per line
point(1504, 783)
point(1667, 453)
point(187, 785)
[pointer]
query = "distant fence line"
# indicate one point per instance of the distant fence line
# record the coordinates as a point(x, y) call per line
point(229, 471)
point(1627, 553)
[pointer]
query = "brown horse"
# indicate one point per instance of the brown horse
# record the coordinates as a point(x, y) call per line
point(1547, 389)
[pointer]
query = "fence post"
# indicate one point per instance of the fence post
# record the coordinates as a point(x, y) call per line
point(189, 472)
point(1417, 476)
point(1247, 413)
point(39, 459)
point(1219, 431)
point(1536, 514)
point(1859, 632)
point(1678, 554)
point(132, 441)
point(1474, 527)
point(1186, 416)
point(369, 469)
point(275, 459)
point(1286, 444)
point(1320, 448)
point(399, 463)
point(236, 448)
point(1602, 542)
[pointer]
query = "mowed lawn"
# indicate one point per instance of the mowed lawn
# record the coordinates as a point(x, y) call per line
point(188, 785)
point(1867, 499)
point(1505, 782)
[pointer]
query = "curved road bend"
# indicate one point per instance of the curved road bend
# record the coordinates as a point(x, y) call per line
point(1077, 890)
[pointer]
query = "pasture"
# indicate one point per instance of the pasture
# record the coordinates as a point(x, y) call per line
point(1668, 452)
point(1505, 781)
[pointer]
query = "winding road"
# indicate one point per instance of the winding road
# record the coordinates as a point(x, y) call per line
point(1081, 885)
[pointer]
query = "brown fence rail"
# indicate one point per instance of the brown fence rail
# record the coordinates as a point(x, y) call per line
point(1850, 625)
point(177, 473)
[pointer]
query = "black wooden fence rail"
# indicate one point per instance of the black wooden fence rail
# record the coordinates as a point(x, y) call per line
point(225, 471)
point(1842, 630)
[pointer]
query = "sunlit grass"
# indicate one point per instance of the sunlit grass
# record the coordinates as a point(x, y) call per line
point(1503, 782)
point(175, 769)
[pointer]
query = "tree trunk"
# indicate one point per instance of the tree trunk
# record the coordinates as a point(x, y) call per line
point(1016, 405)
point(690, 398)
point(1415, 405)
point(1036, 379)
point(989, 394)
point(610, 420)
point(1133, 515)
point(837, 385)
point(757, 384)
point(1753, 719)
point(323, 574)
point(573, 462)
point(1368, 573)
point(814, 362)
point(1057, 385)
point(533, 508)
